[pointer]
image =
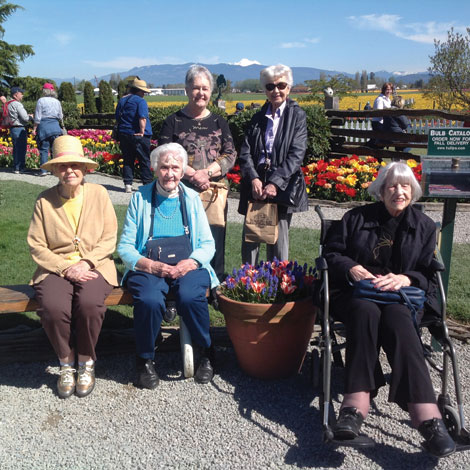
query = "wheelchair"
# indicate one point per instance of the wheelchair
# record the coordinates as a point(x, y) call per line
point(328, 346)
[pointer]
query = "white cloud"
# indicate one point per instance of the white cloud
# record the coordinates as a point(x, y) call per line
point(124, 63)
point(246, 62)
point(312, 40)
point(292, 45)
point(62, 38)
point(299, 44)
point(424, 33)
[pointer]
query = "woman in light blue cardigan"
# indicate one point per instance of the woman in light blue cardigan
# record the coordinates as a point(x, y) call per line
point(150, 280)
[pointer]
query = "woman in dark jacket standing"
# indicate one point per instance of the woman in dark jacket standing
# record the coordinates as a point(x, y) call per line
point(272, 153)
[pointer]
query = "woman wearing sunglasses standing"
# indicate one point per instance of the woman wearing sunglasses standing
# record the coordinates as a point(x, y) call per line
point(271, 157)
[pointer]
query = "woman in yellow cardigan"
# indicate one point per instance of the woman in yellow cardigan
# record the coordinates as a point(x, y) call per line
point(72, 238)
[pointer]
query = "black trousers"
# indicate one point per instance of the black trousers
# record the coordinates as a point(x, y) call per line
point(371, 326)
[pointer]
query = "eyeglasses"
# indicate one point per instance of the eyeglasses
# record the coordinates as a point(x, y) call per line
point(279, 86)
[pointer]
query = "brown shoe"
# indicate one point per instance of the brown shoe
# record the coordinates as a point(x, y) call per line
point(66, 382)
point(85, 380)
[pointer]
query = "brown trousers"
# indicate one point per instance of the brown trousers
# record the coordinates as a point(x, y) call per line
point(72, 313)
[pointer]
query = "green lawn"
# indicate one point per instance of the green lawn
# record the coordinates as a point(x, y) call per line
point(16, 206)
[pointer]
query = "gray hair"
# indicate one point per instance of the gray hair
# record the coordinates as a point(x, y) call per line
point(49, 93)
point(177, 150)
point(395, 172)
point(196, 70)
point(273, 72)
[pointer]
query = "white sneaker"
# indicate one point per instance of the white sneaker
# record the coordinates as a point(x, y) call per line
point(128, 188)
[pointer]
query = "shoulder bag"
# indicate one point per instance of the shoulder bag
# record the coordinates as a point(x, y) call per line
point(169, 250)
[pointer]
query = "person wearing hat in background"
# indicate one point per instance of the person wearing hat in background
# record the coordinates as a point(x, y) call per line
point(135, 131)
point(47, 122)
point(240, 107)
point(19, 136)
point(72, 238)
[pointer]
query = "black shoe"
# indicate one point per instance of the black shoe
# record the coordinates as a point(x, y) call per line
point(437, 440)
point(205, 370)
point(147, 376)
point(349, 423)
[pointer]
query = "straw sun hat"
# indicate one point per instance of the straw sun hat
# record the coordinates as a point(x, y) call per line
point(139, 84)
point(68, 149)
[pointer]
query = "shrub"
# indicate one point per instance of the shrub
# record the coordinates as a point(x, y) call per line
point(158, 115)
point(319, 133)
point(67, 93)
point(71, 115)
point(89, 99)
point(238, 124)
point(106, 100)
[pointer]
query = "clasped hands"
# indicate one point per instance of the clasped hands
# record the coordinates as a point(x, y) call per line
point(200, 179)
point(172, 272)
point(260, 193)
point(385, 282)
point(80, 272)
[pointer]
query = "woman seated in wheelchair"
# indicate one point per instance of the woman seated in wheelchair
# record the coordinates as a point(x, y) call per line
point(167, 244)
point(392, 243)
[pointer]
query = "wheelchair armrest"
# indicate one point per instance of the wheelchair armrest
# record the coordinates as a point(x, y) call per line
point(319, 212)
point(321, 264)
point(437, 265)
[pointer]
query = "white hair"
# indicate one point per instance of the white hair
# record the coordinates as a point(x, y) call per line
point(175, 149)
point(273, 72)
point(196, 70)
point(395, 172)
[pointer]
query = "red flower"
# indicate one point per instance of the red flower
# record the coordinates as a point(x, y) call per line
point(351, 192)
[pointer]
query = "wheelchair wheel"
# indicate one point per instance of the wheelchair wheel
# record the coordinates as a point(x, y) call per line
point(451, 419)
point(186, 350)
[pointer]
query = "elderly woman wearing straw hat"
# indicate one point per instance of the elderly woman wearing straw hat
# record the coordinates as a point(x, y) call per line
point(72, 238)
point(135, 131)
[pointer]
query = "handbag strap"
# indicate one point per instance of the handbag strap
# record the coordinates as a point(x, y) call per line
point(414, 315)
point(182, 207)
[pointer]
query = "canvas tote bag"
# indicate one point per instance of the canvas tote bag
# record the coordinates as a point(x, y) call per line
point(214, 200)
point(261, 222)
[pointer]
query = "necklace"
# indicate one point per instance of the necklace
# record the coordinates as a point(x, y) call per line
point(171, 215)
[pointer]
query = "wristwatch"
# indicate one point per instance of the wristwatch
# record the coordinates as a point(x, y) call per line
point(209, 173)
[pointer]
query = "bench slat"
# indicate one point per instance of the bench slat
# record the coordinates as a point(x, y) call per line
point(20, 298)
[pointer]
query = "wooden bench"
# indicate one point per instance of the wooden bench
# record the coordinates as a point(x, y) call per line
point(21, 298)
point(340, 146)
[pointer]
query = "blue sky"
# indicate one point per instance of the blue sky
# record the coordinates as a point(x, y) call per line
point(83, 38)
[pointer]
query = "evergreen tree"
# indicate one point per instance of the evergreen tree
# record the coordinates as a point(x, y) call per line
point(10, 54)
point(364, 81)
point(67, 93)
point(122, 89)
point(89, 99)
point(106, 101)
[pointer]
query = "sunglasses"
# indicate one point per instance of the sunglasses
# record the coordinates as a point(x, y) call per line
point(279, 86)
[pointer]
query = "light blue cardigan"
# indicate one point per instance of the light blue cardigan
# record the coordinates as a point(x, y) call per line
point(137, 225)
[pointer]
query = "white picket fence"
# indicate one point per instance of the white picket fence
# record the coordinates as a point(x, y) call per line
point(418, 126)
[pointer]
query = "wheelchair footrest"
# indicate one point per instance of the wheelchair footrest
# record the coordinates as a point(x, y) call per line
point(359, 441)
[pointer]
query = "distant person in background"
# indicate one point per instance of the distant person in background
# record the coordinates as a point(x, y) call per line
point(135, 131)
point(383, 101)
point(239, 108)
point(48, 118)
point(18, 133)
point(208, 141)
point(3, 99)
point(367, 107)
point(397, 124)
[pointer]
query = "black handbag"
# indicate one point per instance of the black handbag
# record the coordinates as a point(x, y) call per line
point(292, 195)
point(170, 250)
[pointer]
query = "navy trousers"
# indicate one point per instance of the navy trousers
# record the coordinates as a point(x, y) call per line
point(149, 293)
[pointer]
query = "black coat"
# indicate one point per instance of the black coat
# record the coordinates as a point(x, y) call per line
point(287, 156)
point(396, 123)
point(352, 240)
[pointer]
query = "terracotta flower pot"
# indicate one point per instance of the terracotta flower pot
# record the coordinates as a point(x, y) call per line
point(270, 340)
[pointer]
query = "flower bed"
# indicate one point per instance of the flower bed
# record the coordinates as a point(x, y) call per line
point(97, 145)
point(343, 179)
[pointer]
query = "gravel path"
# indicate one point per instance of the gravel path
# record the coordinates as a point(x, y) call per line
point(236, 422)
